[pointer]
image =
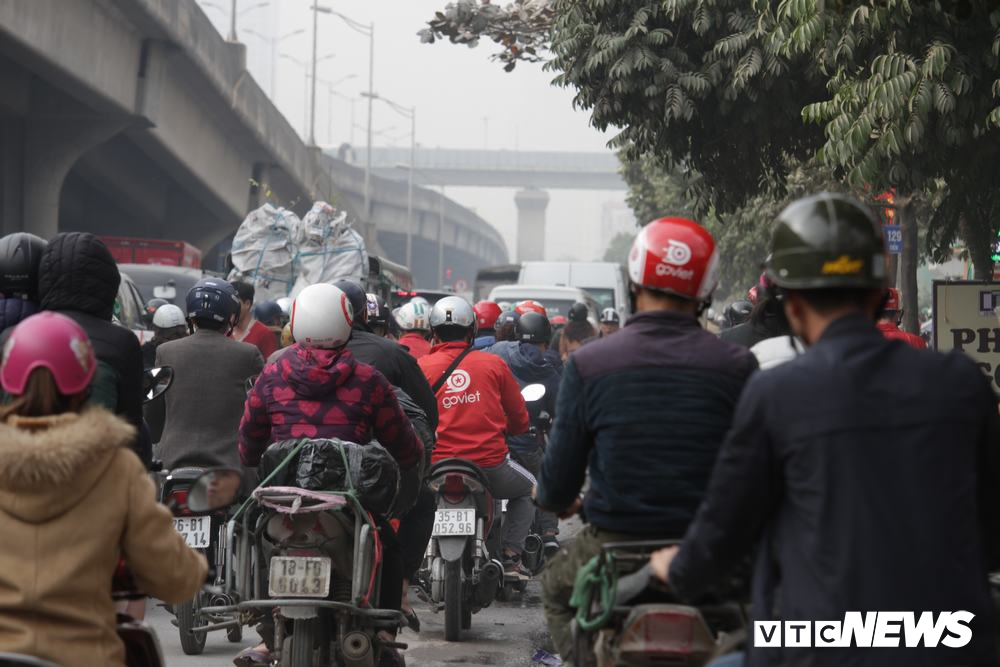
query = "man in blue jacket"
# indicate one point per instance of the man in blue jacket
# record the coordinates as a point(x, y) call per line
point(647, 408)
point(865, 473)
point(530, 364)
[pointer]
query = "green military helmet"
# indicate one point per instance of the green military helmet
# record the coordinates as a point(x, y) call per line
point(827, 241)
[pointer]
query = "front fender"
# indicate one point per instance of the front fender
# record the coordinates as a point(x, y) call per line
point(451, 548)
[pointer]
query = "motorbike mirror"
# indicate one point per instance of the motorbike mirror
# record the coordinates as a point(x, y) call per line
point(533, 392)
point(155, 381)
point(214, 489)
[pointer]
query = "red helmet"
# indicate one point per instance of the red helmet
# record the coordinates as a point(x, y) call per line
point(892, 300)
point(487, 313)
point(53, 341)
point(528, 306)
point(559, 321)
point(676, 256)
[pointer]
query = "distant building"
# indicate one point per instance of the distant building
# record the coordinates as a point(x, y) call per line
point(616, 218)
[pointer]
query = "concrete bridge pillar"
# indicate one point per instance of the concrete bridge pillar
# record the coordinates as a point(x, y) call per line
point(531, 205)
point(53, 143)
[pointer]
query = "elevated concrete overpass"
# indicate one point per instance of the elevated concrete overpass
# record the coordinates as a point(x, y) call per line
point(135, 117)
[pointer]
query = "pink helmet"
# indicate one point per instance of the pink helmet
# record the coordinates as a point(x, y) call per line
point(53, 341)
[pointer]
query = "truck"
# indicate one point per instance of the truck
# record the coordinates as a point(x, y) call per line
point(131, 250)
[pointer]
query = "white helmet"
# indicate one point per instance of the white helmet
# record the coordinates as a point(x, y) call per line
point(420, 299)
point(322, 317)
point(453, 311)
point(412, 316)
point(285, 304)
point(168, 316)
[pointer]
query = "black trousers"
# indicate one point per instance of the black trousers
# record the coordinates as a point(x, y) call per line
point(415, 532)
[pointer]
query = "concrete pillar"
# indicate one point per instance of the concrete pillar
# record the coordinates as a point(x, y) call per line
point(531, 205)
point(53, 143)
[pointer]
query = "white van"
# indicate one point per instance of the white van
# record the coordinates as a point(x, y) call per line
point(604, 281)
point(557, 300)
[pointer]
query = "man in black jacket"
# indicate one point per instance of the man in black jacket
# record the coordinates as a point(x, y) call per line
point(865, 473)
point(647, 408)
point(79, 278)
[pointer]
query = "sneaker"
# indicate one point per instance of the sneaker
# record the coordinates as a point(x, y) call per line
point(513, 570)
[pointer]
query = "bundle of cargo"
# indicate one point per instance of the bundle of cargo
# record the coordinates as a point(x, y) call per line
point(281, 254)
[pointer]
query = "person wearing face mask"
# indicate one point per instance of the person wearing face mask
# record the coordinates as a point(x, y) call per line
point(864, 474)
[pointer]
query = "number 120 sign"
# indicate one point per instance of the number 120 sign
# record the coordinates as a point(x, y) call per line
point(893, 238)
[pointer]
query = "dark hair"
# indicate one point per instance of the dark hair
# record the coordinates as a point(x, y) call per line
point(825, 301)
point(244, 290)
point(506, 331)
point(452, 334)
point(42, 398)
point(577, 332)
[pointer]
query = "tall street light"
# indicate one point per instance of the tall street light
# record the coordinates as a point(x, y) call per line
point(440, 228)
point(273, 43)
point(369, 32)
point(233, 13)
point(411, 113)
point(305, 69)
point(329, 102)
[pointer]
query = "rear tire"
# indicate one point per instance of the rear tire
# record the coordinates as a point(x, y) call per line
point(453, 601)
point(235, 635)
point(304, 642)
point(466, 617)
point(191, 643)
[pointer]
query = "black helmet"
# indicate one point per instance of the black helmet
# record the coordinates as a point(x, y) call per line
point(356, 295)
point(533, 328)
point(610, 316)
point(213, 299)
point(827, 241)
point(378, 310)
point(20, 254)
point(738, 312)
point(268, 312)
point(578, 312)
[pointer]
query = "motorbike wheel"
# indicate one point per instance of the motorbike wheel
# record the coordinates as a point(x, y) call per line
point(453, 601)
point(303, 642)
point(191, 643)
point(235, 635)
point(466, 617)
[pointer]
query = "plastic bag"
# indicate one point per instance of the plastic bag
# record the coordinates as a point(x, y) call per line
point(329, 249)
point(319, 466)
point(264, 251)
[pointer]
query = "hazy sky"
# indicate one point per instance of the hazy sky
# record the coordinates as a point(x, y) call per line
point(463, 100)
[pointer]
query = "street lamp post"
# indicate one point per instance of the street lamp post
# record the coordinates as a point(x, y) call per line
point(273, 44)
point(331, 92)
point(441, 241)
point(233, 14)
point(369, 32)
point(411, 113)
point(305, 68)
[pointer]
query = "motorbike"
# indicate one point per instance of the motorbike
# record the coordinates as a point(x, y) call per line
point(206, 533)
point(462, 571)
point(311, 561)
point(626, 618)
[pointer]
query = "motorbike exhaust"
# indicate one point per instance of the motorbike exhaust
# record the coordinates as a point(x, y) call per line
point(356, 648)
point(531, 557)
point(489, 582)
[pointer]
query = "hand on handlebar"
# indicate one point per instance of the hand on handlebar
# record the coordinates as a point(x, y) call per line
point(660, 562)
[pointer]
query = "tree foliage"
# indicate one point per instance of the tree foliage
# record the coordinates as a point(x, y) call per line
point(618, 247)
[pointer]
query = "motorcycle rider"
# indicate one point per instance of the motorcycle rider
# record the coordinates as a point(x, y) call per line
point(317, 389)
point(765, 317)
point(412, 321)
point(205, 403)
point(480, 403)
point(506, 326)
point(528, 362)
point(248, 328)
point(73, 498)
point(609, 323)
point(738, 314)
point(487, 314)
point(574, 335)
point(847, 506)
point(20, 255)
point(168, 324)
point(78, 277)
point(892, 315)
point(529, 306)
point(647, 408)
point(377, 315)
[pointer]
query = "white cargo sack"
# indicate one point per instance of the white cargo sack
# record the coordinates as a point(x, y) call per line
point(264, 251)
point(329, 249)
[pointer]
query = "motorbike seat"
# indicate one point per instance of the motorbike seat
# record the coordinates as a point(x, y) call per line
point(462, 466)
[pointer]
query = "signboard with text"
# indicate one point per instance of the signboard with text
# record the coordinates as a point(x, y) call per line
point(967, 318)
point(893, 238)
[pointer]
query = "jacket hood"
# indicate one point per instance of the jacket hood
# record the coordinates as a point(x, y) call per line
point(77, 272)
point(526, 361)
point(47, 464)
point(314, 373)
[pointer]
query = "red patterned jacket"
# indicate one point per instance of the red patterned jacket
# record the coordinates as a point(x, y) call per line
point(314, 393)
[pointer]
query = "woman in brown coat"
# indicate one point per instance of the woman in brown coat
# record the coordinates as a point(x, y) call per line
point(73, 498)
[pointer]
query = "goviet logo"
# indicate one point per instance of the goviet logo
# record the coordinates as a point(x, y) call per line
point(677, 253)
point(870, 629)
point(458, 381)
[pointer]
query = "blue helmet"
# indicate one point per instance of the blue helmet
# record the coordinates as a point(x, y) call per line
point(268, 312)
point(213, 299)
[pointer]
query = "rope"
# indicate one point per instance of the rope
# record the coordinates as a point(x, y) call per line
point(595, 578)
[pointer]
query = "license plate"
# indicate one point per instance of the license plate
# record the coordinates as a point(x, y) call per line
point(299, 577)
point(196, 530)
point(455, 522)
